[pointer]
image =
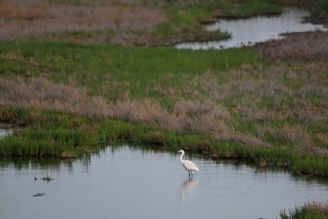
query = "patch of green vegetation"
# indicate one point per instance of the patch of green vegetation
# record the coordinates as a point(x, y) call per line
point(293, 83)
point(245, 126)
point(320, 11)
point(318, 8)
point(182, 19)
point(110, 70)
point(186, 18)
point(310, 211)
point(84, 34)
point(250, 8)
point(54, 134)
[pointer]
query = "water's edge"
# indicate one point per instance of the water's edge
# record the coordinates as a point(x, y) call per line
point(250, 31)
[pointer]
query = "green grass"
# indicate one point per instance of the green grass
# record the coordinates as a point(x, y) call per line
point(100, 67)
point(250, 8)
point(318, 8)
point(54, 134)
point(187, 18)
point(320, 11)
point(309, 211)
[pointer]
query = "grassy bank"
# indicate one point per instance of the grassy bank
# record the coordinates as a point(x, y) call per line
point(308, 211)
point(318, 9)
point(53, 134)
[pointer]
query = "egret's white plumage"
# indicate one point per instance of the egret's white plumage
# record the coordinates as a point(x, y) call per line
point(187, 164)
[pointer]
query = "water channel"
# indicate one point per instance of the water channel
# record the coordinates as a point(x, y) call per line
point(122, 182)
point(247, 32)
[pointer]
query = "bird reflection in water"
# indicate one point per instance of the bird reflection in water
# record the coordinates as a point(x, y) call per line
point(188, 187)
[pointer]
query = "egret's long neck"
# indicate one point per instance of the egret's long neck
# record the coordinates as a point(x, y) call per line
point(181, 157)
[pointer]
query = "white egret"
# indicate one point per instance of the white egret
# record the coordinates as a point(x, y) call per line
point(187, 164)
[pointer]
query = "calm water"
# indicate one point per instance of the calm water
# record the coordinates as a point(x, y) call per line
point(130, 183)
point(256, 29)
point(5, 132)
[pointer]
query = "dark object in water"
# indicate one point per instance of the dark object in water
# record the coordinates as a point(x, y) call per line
point(35, 179)
point(39, 194)
point(47, 178)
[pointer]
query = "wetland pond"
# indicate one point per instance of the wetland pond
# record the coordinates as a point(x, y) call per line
point(125, 182)
point(247, 32)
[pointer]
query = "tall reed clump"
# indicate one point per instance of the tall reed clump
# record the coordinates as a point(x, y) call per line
point(48, 134)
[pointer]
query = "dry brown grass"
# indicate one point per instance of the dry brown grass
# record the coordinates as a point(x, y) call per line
point(322, 138)
point(41, 94)
point(29, 12)
point(12, 55)
point(294, 135)
point(277, 92)
point(27, 20)
point(146, 111)
point(318, 207)
point(258, 95)
point(297, 46)
point(204, 117)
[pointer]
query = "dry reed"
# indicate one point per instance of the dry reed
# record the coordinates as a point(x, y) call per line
point(27, 20)
point(311, 46)
point(204, 117)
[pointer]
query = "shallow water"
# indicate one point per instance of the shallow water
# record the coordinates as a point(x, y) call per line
point(5, 132)
point(257, 29)
point(130, 183)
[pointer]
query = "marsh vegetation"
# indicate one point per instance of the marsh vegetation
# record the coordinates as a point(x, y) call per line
point(229, 103)
point(76, 76)
point(308, 211)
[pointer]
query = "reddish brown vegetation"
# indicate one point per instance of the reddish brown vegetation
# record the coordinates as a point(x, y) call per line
point(29, 12)
point(196, 116)
point(304, 46)
point(318, 207)
point(42, 94)
point(260, 95)
point(26, 20)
